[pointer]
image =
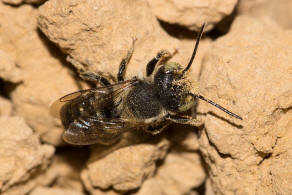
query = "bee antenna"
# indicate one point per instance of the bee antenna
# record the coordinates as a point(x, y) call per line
point(195, 49)
point(218, 106)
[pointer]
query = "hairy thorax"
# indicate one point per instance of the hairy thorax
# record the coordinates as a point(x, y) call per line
point(142, 101)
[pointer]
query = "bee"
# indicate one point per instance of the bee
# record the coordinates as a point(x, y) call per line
point(102, 114)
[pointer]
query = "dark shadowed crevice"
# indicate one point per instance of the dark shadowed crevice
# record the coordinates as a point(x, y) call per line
point(182, 32)
point(178, 31)
point(7, 87)
point(201, 189)
point(223, 27)
point(264, 156)
point(58, 54)
point(54, 50)
point(75, 156)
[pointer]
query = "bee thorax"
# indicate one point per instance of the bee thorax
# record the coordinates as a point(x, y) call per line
point(142, 101)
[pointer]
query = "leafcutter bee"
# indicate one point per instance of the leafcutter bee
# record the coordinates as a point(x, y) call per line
point(102, 114)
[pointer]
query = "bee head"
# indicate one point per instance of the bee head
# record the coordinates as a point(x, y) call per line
point(173, 88)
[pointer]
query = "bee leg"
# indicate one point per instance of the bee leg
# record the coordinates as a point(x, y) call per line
point(125, 61)
point(184, 120)
point(155, 129)
point(92, 77)
point(160, 57)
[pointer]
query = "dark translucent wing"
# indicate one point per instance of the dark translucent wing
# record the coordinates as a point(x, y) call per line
point(107, 92)
point(86, 129)
point(57, 105)
point(79, 134)
point(107, 133)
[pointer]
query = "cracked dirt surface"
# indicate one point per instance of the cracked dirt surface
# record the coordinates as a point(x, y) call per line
point(247, 155)
point(247, 69)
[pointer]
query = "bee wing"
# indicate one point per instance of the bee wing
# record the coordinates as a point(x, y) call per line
point(86, 130)
point(107, 92)
point(107, 132)
point(56, 106)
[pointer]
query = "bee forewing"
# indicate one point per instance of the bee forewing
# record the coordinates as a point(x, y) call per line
point(70, 96)
point(56, 106)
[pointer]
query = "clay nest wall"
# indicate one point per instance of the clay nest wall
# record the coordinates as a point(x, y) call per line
point(244, 63)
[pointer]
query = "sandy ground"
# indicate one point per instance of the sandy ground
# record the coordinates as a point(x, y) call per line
point(244, 63)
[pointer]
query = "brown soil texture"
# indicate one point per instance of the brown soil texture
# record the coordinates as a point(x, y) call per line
point(244, 63)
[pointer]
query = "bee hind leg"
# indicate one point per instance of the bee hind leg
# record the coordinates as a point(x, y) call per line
point(155, 129)
point(96, 78)
point(93, 77)
point(184, 120)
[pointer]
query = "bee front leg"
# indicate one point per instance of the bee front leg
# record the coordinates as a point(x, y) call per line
point(184, 120)
point(161, 56)
point(125, 61)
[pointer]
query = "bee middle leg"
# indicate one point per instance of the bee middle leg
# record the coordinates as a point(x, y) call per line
point(125, 61)
point(184, 120)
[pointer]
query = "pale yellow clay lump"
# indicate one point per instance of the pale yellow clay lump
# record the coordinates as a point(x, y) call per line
point(250, 71)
